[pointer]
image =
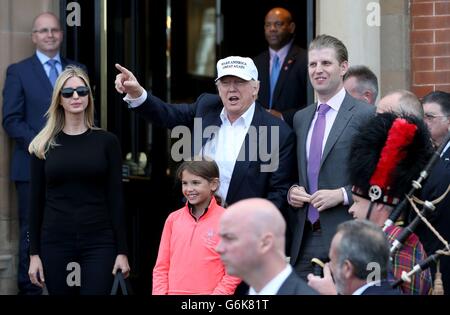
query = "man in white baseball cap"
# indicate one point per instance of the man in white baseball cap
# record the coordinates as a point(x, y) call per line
point(238, 119)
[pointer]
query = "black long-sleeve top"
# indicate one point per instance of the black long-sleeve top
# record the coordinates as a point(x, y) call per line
point(78, 189)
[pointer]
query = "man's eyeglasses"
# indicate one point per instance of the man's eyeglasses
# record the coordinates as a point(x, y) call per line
point(43, 31)
point(431, 117)
point(81, 91)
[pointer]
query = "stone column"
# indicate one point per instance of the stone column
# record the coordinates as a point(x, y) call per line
point(357, 25)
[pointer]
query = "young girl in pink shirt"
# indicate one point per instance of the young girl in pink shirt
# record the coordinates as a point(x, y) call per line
point(187, 261)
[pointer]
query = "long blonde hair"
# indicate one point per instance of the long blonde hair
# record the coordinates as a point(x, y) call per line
point(45, 139)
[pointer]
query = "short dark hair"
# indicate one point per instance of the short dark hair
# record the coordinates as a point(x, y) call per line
point(363, 243)
point(328, 41)
point(439, 97)
point(366, 79)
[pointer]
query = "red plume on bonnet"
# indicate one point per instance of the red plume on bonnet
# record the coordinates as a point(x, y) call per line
point(400, 136)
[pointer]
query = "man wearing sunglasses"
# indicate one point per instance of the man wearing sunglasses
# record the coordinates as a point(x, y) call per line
point(26, 97)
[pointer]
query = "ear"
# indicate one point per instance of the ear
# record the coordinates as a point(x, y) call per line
point(292, 27)
point(347, 269)
point(214, 184)
point(367, 96)
point(344, 68)
point(255, 88)
point(266, 242)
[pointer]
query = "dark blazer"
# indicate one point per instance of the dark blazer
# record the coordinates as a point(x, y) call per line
point(383, 289)
point(294, 285)
point(26, 98)
point(333, 172)
point(290, 90)
point(434, 186)
point(247, 179)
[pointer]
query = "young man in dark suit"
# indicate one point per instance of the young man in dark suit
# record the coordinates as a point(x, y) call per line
point(282, 67)
point(324, 131)
point(252, 246)
point(231, 128)
point(26, 97)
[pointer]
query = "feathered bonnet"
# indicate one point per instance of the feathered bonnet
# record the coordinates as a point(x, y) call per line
point(387, 154)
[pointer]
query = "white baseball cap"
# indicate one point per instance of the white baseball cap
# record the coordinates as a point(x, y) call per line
point(241, 67)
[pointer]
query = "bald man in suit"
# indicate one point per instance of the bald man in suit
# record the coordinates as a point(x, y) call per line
point(252, 247)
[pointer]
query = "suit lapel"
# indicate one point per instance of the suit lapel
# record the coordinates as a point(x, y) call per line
point(209, 121)
point(284, 71)
point(304, 129)
point(265, 79)
point(342, 119)
point(446, 156)
point(39, 72)
point(242, 164)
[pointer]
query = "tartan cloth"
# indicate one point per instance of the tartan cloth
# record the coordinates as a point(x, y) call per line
point(410, 254)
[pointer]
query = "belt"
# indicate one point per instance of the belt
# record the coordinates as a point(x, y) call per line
point(314, 226)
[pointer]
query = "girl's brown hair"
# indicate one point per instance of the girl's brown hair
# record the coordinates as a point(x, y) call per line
point(203, 167)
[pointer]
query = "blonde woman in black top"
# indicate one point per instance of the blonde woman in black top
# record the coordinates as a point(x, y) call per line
point(77, 233)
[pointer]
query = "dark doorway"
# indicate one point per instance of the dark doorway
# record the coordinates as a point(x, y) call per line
point(155, 40)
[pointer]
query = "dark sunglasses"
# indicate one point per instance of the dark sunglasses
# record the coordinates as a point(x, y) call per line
point(81, 91)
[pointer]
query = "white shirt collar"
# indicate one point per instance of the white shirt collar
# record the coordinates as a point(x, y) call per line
point(361, 290)
point(274, 285)
point(282, 53)
point(445, 148)
point(336, 101)
point(246, 118)
point(44, 58)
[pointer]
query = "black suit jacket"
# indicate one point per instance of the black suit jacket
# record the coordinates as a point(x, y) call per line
point(247, 180)
point(383, 289)
point(290, 90)
point(294, 285)
point(434, 187)
point(26, 97)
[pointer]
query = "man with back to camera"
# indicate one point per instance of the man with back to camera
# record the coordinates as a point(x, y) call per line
point(362, 84)
point(400, 102)
point(26, 97)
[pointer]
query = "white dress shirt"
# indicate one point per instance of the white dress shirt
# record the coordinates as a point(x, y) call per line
point(274, 285)
point(335, 103)
point(282, 53)
point(225, 148)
